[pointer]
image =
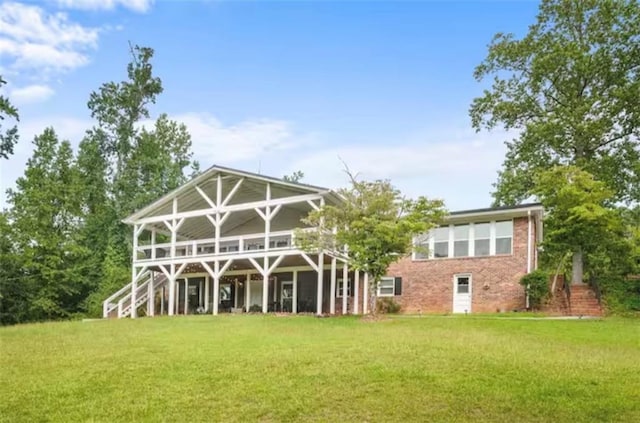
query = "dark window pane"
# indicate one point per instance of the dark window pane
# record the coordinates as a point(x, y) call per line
point(503, 246)
point(441, 249)
point(461, 248)
point(463, 285)
point(481, 247)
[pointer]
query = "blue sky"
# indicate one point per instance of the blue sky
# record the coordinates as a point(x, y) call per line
point(277, 86)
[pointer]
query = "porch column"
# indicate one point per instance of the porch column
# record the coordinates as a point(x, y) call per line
point(175, 303)
point(200, 293)
point(247, 292)
point(151, 303)
point(365, 292)
point(235, 293)
point(186, 296)
point(265, 284)
point(332, 290)
point(207, 281)
point(172, 291)
point(134, 280)
point(216, 287)
point(320, 286)
point(164, 293)
point(345, 287)
point(356, 291)
point(294, 305)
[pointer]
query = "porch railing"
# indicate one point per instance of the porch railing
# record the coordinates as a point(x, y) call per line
point(121, 300)
point(281, 240)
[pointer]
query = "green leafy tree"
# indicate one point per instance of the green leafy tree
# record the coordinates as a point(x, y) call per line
point(125, 164)
point(45, 210)
point(374, 222)
point(14, 293)
point(9, 137)
point(570, 88)
point(579, 217)
point(294, 177)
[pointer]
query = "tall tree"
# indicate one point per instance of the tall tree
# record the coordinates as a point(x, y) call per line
point(14, 293)
point(579, 217)
point(45, 210)
point(375, 222)
point(9, 137)
point(126, 164)
point(571, 89)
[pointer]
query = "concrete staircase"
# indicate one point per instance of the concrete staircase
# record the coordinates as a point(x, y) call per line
point(583, 301)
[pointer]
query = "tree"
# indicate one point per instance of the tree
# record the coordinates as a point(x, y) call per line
point(579, 217)
point(571, 89)
point(294, 177)
point(9, 137)
point(44, 213)
point(125, 165)
point(375, 224)
point(14, 294)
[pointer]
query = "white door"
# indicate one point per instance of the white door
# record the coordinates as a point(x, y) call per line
point(462, 294)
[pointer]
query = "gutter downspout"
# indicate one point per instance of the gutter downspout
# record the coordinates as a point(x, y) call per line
point(528, 255)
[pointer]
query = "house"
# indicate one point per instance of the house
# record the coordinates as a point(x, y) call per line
point(225, 242)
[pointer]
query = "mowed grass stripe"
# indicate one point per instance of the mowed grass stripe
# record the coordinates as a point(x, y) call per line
point(268, 368)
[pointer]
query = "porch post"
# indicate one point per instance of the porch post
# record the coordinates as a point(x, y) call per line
point(332, 291)
point(151, 300)
point(235, 293)
point(356, 291)
point(345, 287)
point(207, 282)
point(200, 293)
point(216, 286)
point(186, 297)
point(320, 286)
point(177, 297)
point(172, 291)
point(265, 284)
point(134, 281)
point(365, 292)
point(294, 305)
point(247, 292)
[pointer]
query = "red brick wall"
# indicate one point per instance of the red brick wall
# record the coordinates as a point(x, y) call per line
point(427, 286)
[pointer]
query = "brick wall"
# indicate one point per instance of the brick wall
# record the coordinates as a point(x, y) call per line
point(427, 286)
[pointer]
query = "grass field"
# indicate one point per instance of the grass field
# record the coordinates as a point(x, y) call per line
point(268, 368)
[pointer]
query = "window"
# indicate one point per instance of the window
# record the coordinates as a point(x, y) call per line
point(441, 242)
point(504, 235)
point(421, 251)
point(461, 241)
point(482, 239)
point(387, 287)
point(340, 286)
point(462, 284)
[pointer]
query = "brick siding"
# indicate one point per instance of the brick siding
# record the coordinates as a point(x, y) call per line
point(427, 285)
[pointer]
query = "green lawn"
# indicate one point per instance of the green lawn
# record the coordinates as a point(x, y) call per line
point(268, 368)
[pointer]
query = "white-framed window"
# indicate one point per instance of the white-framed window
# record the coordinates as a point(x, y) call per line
point(477, 239)
point(340, 287)
point(482, 239)
point(386, 287)
point(504, 236)
point(461, 241)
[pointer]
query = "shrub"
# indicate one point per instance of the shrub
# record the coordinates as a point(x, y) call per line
point(255, 309)
point(536, 285)
point(387, 306)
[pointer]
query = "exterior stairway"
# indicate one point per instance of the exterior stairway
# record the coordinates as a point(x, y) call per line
point(119, 304)
point(583, 301)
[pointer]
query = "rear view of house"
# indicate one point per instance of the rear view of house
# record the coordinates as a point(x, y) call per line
point(225, 242)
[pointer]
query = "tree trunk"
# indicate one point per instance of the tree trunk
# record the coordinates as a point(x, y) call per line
point(576, 277)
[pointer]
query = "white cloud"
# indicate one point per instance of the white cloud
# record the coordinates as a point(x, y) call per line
point(135, 5)
point(31, 39)
point(459, 167)
point(214, 142)
point(31, 94)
